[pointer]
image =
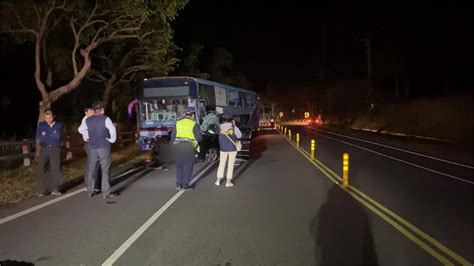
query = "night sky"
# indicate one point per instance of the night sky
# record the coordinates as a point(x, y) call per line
point(281, 43)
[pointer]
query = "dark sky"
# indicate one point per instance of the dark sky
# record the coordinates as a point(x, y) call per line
point(282, 42)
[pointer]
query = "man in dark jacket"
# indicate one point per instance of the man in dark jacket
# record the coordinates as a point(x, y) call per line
point(48, 134)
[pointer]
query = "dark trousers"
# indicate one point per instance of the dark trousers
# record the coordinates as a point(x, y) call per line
point(49, 179)
point(97, 176)
point(184, 160)
point(98, 158)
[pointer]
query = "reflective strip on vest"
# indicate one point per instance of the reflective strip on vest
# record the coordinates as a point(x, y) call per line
point(184, 130)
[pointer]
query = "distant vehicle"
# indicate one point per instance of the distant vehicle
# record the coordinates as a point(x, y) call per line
point(162, 101)
point(317, 121)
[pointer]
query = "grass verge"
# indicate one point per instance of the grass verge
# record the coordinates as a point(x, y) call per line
point(19, 184)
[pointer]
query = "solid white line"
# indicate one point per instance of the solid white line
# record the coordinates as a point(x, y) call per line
point(398, 149)
point(128, 243)
point(47, 203)
point(128, 172)
point(402, 161)
point(40, 206)
point(400, 134)
point(196, 178)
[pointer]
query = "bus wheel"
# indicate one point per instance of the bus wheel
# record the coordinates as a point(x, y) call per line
point(212, 154)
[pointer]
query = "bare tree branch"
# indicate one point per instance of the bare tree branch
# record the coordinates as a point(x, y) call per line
point(146, 34)
point(96, 76)
point(38, 17)
point(134, 69)
point(19, 20)
point(77, 34)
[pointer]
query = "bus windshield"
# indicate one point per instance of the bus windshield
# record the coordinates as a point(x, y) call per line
point(163, 110)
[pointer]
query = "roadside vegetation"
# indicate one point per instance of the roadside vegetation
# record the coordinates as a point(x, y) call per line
point(449, 118)
point(18, 184)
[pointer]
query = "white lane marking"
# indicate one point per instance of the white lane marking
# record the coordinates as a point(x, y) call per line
point(398, 149)
point(47, 203)
point(399, 160)
point(128, 243)
point(196, 178)
point(400, 134)
point(128, 172)
point(40, 206)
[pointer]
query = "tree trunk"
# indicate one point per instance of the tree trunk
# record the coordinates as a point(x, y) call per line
point(109, 85)
point(43, 105)
point(51, 97)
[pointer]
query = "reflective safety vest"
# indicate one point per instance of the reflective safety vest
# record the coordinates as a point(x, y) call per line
point(184, 132)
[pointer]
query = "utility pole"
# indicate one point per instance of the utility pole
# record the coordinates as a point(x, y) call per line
point(369, 57)
point(322, 73)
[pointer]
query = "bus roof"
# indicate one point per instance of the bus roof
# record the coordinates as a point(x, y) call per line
point(203, 81)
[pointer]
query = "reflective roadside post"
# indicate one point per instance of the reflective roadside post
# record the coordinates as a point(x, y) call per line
point(298, 140)
point(25, 148)
point(345, 170)
point(313, 148)
point(289, 135)
point(285, 131)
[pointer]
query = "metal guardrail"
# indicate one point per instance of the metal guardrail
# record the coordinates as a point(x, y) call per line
point(27, 147)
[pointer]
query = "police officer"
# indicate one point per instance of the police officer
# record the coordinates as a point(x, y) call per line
point(185, 138)
point(48, 134)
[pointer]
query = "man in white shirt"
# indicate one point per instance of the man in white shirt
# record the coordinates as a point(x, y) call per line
point(99, 131)
point(88, 112)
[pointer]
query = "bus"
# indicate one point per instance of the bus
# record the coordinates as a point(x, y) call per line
point(162, 101)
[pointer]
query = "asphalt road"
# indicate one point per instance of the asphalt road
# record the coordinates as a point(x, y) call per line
point(282, 211)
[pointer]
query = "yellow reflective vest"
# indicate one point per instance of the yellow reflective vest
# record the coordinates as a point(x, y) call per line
point(184, 131)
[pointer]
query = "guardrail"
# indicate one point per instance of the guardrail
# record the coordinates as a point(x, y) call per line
point(28, 147)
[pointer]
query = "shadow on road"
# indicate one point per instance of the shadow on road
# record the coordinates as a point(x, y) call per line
point(341, 232)
point(114, 179)
point(129, 180)
point(15, 263)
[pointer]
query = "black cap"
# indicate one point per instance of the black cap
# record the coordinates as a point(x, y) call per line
point(97, 105)
point(189, 110)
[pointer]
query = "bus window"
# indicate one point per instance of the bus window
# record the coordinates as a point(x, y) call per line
point(208, 93)
point(233, 98)
point(242, 100)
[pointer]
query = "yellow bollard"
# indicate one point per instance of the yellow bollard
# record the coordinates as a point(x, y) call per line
point(298, 140)
point(289, 134)
point(313, 148)
point(345, 170)
point(285, 130)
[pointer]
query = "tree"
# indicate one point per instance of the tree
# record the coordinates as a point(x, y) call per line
point(190, 63)
point(89, 24)
point(221, 69)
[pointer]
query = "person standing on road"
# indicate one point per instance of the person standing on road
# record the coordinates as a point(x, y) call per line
point(88, 112)
point(185, 138)
point(48, 134)
point(102, 133)
point(229, 133)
